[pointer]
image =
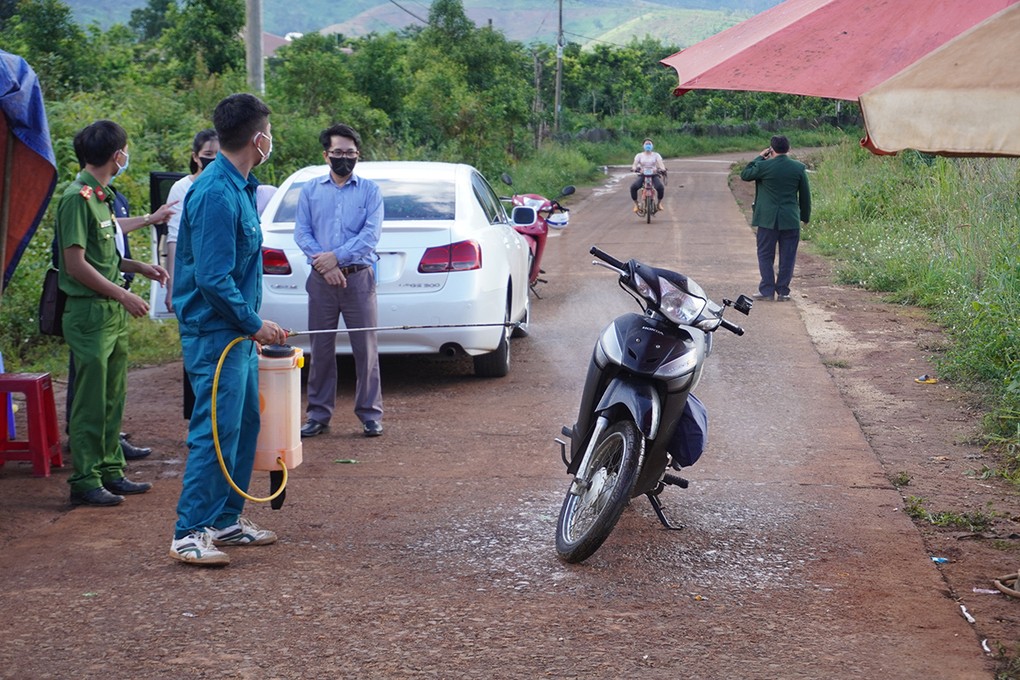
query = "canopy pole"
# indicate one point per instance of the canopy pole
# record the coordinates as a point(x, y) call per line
point(5, 206)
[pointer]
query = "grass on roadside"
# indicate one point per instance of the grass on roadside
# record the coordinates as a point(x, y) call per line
point(969, 521)
point(943, 234)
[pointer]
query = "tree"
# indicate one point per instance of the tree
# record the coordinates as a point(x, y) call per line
point(7, 10)
point(448, 25)
point(380, 70)
point(312, 75)
point(310, 87)
point(204, 37)
point(43, 32)
point(150, 21)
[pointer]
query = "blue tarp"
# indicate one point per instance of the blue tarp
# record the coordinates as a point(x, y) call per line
point(31, 166)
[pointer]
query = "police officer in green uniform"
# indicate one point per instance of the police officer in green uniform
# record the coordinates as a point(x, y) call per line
point(95, 316)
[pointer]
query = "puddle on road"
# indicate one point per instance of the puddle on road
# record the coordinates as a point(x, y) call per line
point(609, 187)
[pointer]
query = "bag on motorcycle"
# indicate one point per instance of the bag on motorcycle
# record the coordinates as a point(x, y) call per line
point(691, 434)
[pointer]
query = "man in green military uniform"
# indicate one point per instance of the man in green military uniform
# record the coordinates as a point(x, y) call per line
point(782, 201)
point(95, 316)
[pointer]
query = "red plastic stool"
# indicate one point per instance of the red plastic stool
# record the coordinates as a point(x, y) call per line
point(43, 444)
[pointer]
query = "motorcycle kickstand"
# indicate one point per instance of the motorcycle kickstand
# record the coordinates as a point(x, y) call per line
point(657, 507)
point(534, 288)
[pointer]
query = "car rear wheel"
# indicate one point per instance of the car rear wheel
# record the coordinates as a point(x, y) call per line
point(496, 364)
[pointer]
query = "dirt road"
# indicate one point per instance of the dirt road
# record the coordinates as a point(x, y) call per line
point(432, 556)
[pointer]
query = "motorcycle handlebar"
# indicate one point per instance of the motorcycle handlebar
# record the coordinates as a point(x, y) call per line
point(607, 258)
point(731, 327)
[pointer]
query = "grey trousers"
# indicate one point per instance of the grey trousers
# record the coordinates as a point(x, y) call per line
point(357, 305)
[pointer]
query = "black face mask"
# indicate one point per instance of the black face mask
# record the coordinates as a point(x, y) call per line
point(205, 161)
point(342, 166)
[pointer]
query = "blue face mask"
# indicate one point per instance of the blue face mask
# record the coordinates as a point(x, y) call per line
point(648, 147)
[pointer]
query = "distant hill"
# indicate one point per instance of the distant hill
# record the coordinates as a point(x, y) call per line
point(680, 22)
point(584, 23)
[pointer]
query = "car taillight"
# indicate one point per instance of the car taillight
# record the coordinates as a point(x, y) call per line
point(457, 257)
point(274, 261)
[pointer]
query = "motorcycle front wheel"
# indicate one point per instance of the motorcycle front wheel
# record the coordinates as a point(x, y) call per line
point(649, 209)
point(586, 520)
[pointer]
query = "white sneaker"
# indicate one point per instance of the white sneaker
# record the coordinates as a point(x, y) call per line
point(245, 532)
point(197, 548)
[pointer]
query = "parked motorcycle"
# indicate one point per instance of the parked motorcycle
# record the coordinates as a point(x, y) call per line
point(648, 197)
point(532, 216)
point(638, 417)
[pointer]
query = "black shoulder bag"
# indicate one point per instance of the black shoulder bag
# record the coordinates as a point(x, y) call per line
point(51, 305)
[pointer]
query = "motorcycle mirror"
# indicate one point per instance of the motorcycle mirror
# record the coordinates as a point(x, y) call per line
point(743, 305)
point(567, 190)
point(507, 180)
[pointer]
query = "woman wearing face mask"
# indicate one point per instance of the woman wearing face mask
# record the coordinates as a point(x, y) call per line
point(646, 162)
point(203, 152)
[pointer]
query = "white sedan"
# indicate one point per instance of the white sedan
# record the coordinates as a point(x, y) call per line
point(451, 267)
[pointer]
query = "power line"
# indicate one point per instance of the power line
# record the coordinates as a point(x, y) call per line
point(424, 21)
point(605, 42)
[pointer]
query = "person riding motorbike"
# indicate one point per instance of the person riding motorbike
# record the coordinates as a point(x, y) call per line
point(644, 162)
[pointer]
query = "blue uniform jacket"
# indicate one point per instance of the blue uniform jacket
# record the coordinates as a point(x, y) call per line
point(218, 269)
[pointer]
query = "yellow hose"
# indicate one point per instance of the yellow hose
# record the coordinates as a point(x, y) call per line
point(216, 436)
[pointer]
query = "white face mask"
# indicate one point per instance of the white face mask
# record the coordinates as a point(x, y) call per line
point(266, 155)
point(122, 168)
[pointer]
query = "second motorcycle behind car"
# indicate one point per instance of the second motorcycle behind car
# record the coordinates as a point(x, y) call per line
point(532, 215)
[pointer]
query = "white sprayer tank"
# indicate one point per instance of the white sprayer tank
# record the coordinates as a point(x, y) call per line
point(279, 407)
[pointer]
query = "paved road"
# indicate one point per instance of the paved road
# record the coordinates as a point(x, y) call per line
point(432, 557)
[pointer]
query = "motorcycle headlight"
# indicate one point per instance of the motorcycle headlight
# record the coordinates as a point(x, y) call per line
point(677, 305)
point(645, 290)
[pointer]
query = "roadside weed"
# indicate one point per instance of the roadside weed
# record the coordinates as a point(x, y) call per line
point(969, 521)
point(900, 479)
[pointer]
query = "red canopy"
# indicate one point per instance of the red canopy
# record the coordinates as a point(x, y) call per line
point(825, 48)
point(960, 100)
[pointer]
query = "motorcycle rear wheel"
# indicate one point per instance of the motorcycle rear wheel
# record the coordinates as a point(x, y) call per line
point(586, 521)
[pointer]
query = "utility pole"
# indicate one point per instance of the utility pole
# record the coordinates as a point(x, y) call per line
point(253, 47)
point(559, 71)
point(536, 108)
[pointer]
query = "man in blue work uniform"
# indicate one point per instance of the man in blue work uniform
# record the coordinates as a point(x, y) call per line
point(337, 226)
point(95, 316)
point(217, 291)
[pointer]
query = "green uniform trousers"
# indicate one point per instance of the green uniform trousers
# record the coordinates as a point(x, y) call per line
point(96, 331)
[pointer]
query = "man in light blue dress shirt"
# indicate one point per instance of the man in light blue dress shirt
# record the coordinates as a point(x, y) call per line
point(339, 220)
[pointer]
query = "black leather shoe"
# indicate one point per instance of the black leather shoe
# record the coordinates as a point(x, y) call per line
point(97, 496)
point(313, 428)
point(132, 452)
point(373, 428)
point(126, 487)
